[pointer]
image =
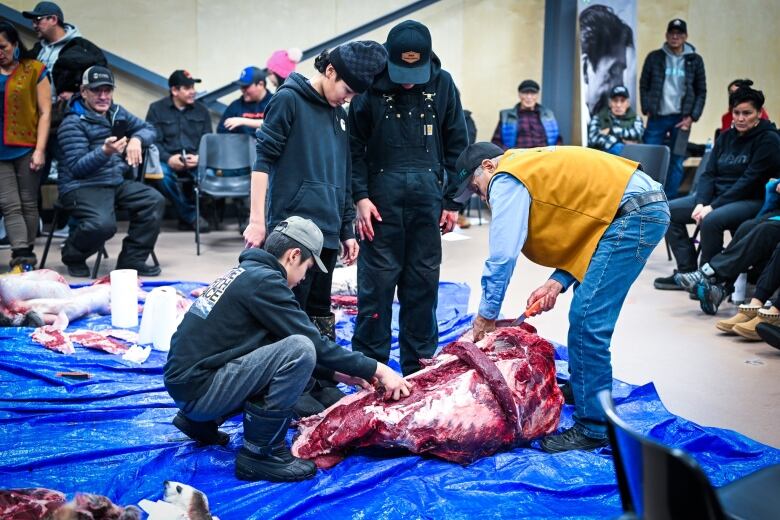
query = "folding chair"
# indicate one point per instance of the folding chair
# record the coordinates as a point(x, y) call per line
point(654, 160)
point(218, 153)
point(657, 482)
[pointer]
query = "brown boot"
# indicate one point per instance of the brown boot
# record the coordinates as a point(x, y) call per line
point(744, 314)
point(463, 222)
point(748, 329)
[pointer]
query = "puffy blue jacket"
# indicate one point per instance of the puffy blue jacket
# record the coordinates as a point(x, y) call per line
point(508, 124)
point(80, 137)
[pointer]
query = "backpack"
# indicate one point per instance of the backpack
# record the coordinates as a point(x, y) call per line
point(75, 57)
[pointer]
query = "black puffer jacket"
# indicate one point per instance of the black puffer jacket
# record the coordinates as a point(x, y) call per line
point(81, 135)
point(651, 83)
point(740, 166)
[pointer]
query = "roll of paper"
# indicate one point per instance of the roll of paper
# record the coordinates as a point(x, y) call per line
point(164, 317)
point(124, 298)
point(146, 330)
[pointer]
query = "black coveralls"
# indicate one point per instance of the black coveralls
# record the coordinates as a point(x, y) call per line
point(404, 147)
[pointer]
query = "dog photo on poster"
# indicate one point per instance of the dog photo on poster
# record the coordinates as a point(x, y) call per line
point(607, 53)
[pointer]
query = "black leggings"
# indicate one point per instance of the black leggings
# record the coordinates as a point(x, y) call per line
point(313, 293)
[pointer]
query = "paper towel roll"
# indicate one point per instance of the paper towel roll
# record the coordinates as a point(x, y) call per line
point(124, 298)
point(159, 319)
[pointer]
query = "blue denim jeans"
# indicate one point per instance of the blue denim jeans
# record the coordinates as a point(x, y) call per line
point(661, 130)
point(619, 258)
point(185, 209)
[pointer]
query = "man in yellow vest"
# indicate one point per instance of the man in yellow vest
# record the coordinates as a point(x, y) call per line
point(592, 216)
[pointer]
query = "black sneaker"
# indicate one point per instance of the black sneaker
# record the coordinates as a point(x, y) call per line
point(568, 393)
point(205, 227)
point(143, 269)
point(710, 296)
point(769, 333)
point(205, 433)
point(667, 283)
point(572, 439)
point(78, 269)
point(688, 281)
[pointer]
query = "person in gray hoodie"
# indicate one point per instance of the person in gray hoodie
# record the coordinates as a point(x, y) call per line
point(672, 88)
point(62, 49)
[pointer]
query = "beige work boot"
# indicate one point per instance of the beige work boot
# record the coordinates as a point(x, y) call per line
point(463, 222)
point(744, 314)
point(748, 329)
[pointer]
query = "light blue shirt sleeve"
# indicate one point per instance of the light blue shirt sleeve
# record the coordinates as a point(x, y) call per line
point(510, 204)
point(565, 278)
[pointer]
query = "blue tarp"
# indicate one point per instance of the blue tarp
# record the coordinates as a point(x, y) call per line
point(112, 435)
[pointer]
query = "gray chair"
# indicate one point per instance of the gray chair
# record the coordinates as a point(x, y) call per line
point(218, 155)
point(654, 159)
point(657, 482)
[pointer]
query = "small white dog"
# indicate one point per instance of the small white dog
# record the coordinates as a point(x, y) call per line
point(180, 502)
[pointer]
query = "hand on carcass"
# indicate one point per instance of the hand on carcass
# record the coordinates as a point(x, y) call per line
point(395, 386)
point(352, 381)
point(481, 327)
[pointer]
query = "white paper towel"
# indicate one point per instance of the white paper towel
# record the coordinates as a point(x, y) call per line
point(159, 319)
point(124, 298)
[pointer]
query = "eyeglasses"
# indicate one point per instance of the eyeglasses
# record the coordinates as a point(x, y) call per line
point(38, 19)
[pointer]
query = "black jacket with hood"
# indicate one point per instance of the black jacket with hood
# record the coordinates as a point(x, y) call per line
point(396, 129)
point(247, 308)
point(651, 83)
point(304, 147)
point(740, 166)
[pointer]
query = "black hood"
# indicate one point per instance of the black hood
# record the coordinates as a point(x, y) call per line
point(763, 126)
point(383, 83)
point(254, 255)
point(301, 85)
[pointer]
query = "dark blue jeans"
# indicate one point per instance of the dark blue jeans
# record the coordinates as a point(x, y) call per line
point(661, 130)
point(619, 258)
point(170, 187)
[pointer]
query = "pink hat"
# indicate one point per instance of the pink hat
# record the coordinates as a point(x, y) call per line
point(283, 61)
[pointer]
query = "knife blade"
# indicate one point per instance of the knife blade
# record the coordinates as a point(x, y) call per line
point(530, 311)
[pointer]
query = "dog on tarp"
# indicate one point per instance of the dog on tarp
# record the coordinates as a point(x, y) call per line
point(180, 502)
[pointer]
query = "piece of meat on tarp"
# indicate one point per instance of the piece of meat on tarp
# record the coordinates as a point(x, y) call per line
point(467, 403)
point(29, 503)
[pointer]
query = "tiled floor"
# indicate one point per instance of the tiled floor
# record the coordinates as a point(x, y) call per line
point(701, 374)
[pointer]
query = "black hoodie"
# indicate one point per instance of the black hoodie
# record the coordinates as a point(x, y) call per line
point(304, 146)
point(247, 308)
point(430, 131)
point(740, 166)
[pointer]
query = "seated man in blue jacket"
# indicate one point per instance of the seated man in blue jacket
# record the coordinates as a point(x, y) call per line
point(99, 143)
point(246, 343)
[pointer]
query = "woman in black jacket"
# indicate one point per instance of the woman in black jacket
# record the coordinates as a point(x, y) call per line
point(731, 189)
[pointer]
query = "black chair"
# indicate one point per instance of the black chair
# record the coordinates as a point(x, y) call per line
point(60, 210)
point(702, 166)
point(659, 483)
point(654, 159)
point(219, 153)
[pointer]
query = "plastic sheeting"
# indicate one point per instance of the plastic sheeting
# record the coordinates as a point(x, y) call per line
point(112, 435)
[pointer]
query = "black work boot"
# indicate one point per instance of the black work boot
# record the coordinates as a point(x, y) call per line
point(326, 325)
point(265, 455)
point(204, 432)
point(572, 439)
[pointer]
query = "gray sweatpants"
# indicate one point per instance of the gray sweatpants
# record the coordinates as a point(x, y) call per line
point(19, 201)
point(277, 372)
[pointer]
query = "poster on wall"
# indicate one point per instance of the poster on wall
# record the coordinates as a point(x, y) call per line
point(607, 54)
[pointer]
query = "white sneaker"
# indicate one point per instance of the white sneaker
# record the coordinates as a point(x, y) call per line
point(62, 232)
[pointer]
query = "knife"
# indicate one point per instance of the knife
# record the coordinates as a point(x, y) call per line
point(530, 311)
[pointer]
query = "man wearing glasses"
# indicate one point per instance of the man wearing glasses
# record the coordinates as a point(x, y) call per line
point(592, 216)
point(245, 114)
point(62, 49)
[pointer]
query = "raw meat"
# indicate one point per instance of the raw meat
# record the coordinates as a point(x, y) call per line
point(110, 340)
point(470, 401)
point(30, 503)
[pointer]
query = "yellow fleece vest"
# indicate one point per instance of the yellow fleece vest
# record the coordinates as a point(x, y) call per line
point(575, 194)
point(20, 121)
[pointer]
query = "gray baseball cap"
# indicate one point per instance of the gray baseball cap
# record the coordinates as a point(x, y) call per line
point(306, 233)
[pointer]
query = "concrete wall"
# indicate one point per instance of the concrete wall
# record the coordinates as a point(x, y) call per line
point(488, 46)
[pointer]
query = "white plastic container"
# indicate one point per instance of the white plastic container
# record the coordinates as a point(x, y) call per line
point(124, 298)
point(159, 319)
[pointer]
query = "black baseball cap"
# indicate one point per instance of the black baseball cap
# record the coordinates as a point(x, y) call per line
point(409, 53)
point(619, 91)
point(528, 85)
point(467, 162)
point(250, 76)
point(678, 24)
point(44, 9)
point(181, 78)
point(97, 76)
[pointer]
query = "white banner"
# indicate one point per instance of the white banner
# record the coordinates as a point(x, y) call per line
point(607, 54)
